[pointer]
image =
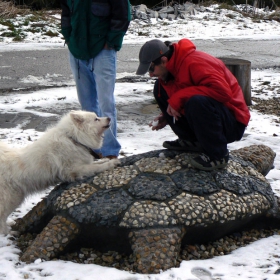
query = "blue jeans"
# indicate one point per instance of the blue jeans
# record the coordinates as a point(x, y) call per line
point(95, 83)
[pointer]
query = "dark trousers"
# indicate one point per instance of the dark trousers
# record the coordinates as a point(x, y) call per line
point(205, 120)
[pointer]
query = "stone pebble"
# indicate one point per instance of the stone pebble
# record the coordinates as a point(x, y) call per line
point(155, 249)
point(135, 197)
point(53, 239)
point(197, 251)
point(160, 178)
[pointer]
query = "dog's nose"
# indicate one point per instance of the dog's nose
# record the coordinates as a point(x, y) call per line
point(108, 119)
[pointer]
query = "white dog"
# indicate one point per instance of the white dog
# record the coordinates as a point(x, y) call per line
point(61, 154)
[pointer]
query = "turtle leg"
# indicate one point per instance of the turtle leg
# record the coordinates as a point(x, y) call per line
point(156, 249)
point(58, 233)
point(32, 218)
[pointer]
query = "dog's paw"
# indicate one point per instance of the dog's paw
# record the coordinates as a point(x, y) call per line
point(115, 161)
point(102, 160)
point(73, 176)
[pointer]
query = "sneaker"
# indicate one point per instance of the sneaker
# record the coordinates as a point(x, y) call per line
point(182, 145)
point(203, 162)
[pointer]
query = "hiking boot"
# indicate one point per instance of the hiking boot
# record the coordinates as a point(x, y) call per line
point(182, 145)
point(203, 162)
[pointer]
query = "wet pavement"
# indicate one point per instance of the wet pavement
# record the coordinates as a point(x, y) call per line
point(22, 71)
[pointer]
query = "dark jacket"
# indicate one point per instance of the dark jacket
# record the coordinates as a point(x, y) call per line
point(87, 25)
point(198, 73)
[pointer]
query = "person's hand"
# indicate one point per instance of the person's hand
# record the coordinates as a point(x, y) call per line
point(106, 47)
point(158, 123)
point(172, 112)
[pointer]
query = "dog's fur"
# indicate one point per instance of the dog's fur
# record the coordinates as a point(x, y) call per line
point(61, 154)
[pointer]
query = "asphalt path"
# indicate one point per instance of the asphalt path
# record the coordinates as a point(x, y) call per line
point(23, 70)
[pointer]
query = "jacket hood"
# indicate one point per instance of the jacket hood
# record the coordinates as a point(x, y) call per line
point(181, 49)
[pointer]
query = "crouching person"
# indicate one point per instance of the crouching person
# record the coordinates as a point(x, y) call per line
point(199, 98)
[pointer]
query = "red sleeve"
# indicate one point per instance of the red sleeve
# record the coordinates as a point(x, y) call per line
point(201, 78)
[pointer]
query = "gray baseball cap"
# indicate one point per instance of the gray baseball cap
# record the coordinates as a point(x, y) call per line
point(149, 52)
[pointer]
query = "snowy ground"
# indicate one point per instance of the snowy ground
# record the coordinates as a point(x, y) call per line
point(261, 259)
point(210, 24)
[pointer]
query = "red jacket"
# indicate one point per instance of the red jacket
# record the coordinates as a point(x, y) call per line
point(198, 73)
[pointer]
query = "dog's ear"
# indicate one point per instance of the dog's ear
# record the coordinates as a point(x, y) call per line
point(77, 118)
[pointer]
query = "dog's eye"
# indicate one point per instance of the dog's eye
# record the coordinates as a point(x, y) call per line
point(97, 120)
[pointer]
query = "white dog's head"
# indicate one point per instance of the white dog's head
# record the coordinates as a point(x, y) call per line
point(89, 128)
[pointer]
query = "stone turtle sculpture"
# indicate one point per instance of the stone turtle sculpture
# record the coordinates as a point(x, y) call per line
point(150, 205)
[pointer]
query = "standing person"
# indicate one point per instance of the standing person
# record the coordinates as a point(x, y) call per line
point(199, 98)
point(94, 31)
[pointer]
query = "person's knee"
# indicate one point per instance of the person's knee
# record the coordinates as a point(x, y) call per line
point(196, 103)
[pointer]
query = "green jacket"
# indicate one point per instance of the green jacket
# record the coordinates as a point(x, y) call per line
point(87, 25)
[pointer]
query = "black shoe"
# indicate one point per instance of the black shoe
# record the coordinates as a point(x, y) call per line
point(203, 162)
point(182, 145)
